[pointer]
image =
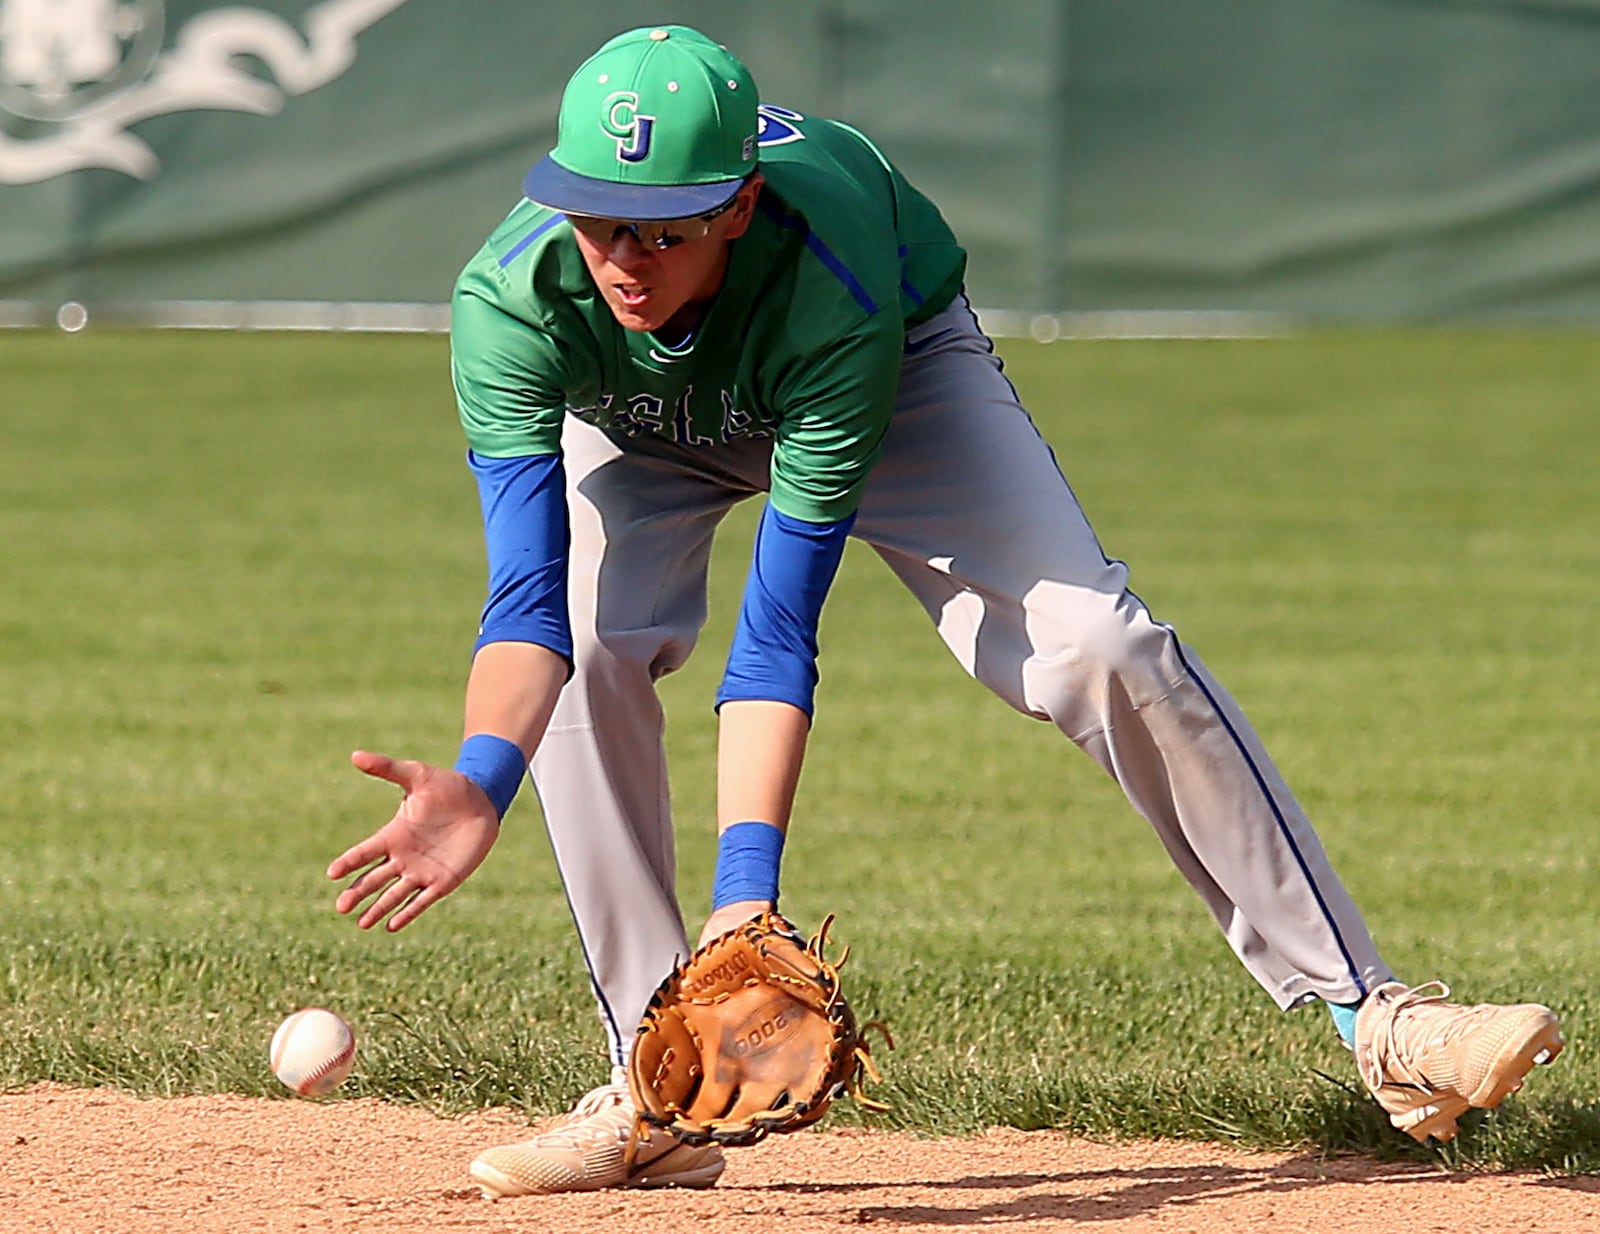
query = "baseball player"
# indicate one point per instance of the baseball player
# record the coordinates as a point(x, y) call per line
point(704, 299)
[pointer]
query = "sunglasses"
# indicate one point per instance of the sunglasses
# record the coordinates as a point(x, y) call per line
point(653, 234)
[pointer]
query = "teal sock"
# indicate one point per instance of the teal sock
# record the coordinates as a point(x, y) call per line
point(1344, 1019)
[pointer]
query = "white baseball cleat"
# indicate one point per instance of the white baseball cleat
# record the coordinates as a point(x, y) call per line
point(589, 1151)
point(1429, 1061)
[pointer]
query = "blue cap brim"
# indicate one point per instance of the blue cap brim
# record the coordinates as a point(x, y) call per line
point(550, 184)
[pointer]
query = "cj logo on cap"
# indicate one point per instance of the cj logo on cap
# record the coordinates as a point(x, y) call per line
point(621, 120)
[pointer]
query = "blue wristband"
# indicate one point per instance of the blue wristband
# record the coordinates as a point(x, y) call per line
point(495, 765)
point(747, 864)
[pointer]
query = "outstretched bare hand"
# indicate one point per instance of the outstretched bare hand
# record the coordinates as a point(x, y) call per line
point(441, 833)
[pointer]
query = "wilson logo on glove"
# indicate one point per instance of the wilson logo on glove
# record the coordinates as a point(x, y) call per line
point(731, 969)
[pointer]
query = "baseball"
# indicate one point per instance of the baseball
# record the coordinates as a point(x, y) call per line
point(312, 1051)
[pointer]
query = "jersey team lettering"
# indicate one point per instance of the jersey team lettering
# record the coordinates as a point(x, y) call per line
point(648, 413)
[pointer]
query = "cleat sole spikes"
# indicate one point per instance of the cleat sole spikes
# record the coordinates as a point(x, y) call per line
point(1509, 1073)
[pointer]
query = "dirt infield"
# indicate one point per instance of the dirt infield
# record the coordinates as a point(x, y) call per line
point(99, 1162)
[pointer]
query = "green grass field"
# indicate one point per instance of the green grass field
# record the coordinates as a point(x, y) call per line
point(229, 560)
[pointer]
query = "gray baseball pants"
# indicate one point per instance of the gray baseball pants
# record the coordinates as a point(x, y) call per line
point(968, 507)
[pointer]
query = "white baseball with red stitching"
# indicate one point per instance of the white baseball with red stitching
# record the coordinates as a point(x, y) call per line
point(313, 1051)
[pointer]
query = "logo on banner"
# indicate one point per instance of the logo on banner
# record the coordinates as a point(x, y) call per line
point(77, 75)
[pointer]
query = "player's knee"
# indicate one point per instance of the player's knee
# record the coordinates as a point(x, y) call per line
point(1111, 650)
point(647, 653)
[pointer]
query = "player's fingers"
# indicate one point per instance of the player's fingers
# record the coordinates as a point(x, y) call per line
point(369, 883)
point(394, 895)
point(415, 907)
point(373, 848)
point(401, 771)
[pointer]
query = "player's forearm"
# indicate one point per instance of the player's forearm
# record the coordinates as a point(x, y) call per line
point(760, 748)
point(511, 692)
point(766, 695)
point(774, 652)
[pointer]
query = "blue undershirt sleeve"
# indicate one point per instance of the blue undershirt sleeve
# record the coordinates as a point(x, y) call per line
point(774, 652)
point(525, 532)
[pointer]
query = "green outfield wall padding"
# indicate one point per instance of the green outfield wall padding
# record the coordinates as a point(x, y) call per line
point(1338, 160)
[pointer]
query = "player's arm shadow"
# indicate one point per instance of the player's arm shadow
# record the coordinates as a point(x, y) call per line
point(1119, 1193)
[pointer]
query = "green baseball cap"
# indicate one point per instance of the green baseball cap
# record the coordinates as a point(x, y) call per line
point(660, 123)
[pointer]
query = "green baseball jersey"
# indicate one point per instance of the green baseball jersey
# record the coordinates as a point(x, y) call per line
point(802, 344)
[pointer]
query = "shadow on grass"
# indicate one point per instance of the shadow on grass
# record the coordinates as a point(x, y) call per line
point(1120, 1193)
point(1554, 1134)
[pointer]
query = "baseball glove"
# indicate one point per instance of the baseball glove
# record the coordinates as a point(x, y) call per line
point(750, 1035)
